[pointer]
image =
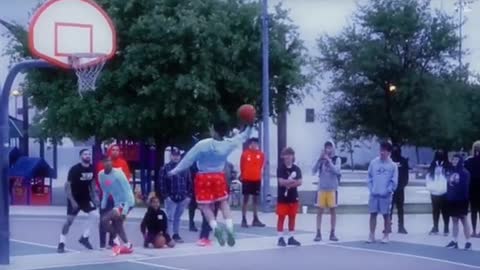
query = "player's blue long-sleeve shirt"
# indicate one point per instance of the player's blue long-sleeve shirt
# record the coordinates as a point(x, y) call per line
point(115, 183)
point(210, 154)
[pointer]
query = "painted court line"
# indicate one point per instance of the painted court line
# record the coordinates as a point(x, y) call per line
point(404, 255)
point(73, 265)
point(41, 245)
point(239, 247)
point(74, 262)
point(56, 219)
point(157, 265)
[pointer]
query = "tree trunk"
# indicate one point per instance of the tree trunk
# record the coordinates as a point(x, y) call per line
point(97, 151)
point(351, 160)
point(42, 148)
point(388, 111)
point(417, 153)
point(281, 133)
point(25, 126)
point(55, 156)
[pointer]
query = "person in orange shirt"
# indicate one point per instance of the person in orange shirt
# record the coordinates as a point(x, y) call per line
point(118, 162)
point(251, 167)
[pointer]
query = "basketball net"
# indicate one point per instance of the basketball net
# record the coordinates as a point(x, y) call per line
point(87, 74)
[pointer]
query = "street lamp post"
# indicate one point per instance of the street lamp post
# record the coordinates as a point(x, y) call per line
point(462, 7)
point(265, 104)
point(25, 126)
point(16, 93)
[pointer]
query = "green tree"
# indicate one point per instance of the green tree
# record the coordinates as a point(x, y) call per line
point(386, 67)
point(288, 56)
point(453, 116)
point(179, 64)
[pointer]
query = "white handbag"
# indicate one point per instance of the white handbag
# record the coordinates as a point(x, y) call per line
point(438, 185)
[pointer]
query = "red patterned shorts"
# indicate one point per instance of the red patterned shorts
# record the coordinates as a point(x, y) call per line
point(210, 187)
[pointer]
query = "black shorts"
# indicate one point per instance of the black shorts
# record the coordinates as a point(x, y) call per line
point(251, 188)
point(474, 202)
point(85, 206)
point(457, 209)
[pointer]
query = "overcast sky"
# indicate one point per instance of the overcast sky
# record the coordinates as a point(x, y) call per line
point(313, 17)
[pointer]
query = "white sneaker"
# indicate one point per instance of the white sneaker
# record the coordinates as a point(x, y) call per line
point(371, 239)
point(385, 239)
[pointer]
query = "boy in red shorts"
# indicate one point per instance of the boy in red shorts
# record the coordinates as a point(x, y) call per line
point(289, 178)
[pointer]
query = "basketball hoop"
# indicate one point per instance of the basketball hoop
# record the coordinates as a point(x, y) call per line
point(73, 34)
point(87, 69)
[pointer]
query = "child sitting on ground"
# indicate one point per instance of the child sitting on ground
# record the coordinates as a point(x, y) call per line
point(154, 225)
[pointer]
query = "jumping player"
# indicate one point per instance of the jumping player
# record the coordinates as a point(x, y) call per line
point(81, 196)
point(210, 181)
point(114, 183)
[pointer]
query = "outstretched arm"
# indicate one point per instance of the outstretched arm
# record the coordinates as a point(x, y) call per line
point(188, 160)
point(242, 137)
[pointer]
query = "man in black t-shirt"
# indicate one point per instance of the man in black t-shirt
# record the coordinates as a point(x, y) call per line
point(81, 196)
point(289, 178)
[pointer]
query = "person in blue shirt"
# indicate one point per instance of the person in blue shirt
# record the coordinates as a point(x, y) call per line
point(210, 156)
point(114, 183)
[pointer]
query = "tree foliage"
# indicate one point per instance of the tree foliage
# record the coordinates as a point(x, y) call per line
point(179, 64)
point(394, 74)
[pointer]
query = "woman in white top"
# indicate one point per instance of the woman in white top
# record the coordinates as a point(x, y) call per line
point(436, 183)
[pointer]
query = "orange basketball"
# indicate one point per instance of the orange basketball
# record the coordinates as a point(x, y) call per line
point(159, 242)
point(247, 113)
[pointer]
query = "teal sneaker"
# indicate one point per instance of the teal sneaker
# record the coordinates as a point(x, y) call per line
point(230, 238)
point(219, 235)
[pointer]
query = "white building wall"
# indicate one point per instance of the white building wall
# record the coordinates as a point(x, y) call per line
point(314, 17)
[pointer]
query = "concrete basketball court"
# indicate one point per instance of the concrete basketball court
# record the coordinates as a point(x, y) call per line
point(34, 233)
